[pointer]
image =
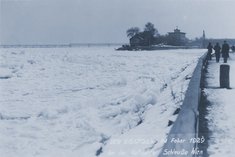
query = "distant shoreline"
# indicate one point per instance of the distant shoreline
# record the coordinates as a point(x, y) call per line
point(60, 45)
point(155, 47)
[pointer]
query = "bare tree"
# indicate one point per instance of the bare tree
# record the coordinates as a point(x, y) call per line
point(149, 27)
point(132, 31)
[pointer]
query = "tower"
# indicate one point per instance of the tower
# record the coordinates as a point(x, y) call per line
point(203, 40)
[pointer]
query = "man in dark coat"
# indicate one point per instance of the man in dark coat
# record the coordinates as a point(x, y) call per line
point(233, 48)
point(217, 49)
point(209, 48)
point(225, 51)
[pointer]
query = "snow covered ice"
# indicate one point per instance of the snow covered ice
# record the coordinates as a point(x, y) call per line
point(90, 102)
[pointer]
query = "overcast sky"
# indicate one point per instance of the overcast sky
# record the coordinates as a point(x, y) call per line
point(102, 21)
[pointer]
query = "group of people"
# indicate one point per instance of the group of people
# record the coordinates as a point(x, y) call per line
point(218, 50)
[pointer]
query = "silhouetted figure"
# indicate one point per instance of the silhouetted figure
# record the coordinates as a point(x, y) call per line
point(225, 51)
point(209, 48)
point(233, 48)
point(217, 49)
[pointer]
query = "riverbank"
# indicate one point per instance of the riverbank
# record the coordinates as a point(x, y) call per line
point(154, 47)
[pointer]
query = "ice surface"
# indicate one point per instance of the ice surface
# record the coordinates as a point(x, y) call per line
point(89, 101)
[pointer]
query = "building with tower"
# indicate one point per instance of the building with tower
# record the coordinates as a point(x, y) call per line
point(177, 38)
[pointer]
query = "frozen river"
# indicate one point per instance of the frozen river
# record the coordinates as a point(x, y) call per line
point(89, 102)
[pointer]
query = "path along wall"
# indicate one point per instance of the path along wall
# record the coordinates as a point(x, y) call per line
point(182, 138)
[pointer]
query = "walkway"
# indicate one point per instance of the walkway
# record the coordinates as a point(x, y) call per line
point(221, 111)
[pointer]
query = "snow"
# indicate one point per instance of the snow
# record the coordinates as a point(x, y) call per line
point(90, 102)
point(221, 117)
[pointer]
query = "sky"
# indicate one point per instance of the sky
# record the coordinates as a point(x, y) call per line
point(106, 21)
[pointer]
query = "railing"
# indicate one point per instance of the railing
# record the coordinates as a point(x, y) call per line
point(183, 137)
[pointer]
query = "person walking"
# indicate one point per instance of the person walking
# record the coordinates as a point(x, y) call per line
point(225, 51)
point(209, 48)
point(233, 48)
point(217, 49)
